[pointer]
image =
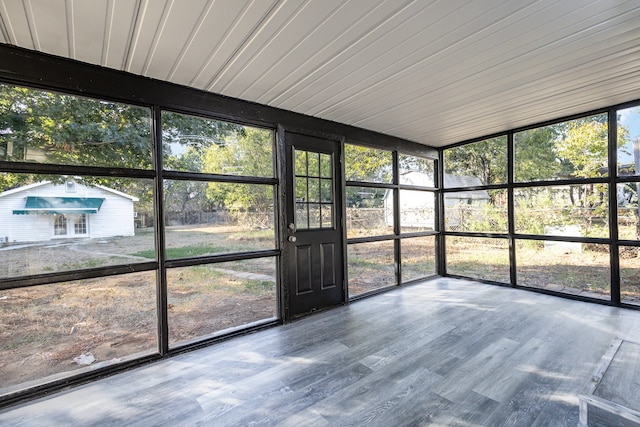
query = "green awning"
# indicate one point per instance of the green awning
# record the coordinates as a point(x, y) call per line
point(60, 205)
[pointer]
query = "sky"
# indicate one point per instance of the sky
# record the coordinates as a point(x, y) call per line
point(630, 118)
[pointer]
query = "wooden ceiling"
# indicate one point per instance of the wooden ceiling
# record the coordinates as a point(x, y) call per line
point(431, 71)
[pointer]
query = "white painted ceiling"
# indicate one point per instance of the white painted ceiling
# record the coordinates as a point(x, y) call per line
point(436, 72)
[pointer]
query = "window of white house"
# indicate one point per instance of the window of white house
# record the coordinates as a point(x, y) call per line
point(80, 226)
point(60, 225)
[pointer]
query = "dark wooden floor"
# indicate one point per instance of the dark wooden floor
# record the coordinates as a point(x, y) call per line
point(446, 352)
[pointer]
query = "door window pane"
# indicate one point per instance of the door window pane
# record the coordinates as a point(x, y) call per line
point(325, 165)
point(209, 218)
point(196, 144)
point(210, 299)
point(104, 221)
point(573, 149)
point(313, 190)
point(49, 127)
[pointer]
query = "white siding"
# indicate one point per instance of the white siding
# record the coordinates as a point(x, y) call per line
point(115, 217)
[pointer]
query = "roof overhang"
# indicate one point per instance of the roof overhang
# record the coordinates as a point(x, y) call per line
point(60, 205)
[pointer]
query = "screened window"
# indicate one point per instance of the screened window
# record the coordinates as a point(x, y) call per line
point(416, 171)
point(367, 164)
point(573, 149)
point(49, 127)
point(196, 144)
point(482, 211)
point(476, 164)
point(629, 141)
point(563, 210)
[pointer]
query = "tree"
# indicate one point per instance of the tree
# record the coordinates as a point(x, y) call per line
point(535, 154)
point(249, 153)
point(367, 164)
point(486, 160)
point(48, 127)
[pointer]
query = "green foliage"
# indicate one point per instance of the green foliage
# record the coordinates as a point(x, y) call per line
point(367, 164)
point(62, 129)
point(365, 197)
point(249, 154)
point(535, 154)
point(183, 252)
point(487, 218)
point(486, 160)
point(584, 146)
point(258, 287)
point(412, 163)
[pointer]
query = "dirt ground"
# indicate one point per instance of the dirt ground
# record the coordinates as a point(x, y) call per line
point(109, 319)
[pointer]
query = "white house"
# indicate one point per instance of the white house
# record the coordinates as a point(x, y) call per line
point(45, 211)
point(418, 210)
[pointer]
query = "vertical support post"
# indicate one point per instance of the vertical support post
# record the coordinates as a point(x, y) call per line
point(396, 218)
point(441, 257)
point(280, 219)
point(511, 217)
point(158, 195)
point(613, 207)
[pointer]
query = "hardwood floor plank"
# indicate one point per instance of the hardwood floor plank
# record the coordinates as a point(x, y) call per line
point(443, 353)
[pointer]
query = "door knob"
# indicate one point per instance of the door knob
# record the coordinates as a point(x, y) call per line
point(292, 239)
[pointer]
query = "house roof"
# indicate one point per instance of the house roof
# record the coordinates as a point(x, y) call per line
point(43, 183)
point(453, 181)
point(434, 72)
point(426, 180)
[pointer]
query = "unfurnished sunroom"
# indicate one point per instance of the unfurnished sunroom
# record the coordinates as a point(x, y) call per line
point(280, 158)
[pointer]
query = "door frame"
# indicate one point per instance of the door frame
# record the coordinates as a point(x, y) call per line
point(281, 131)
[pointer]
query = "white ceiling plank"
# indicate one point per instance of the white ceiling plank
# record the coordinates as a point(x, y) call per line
point(15, 22)
point(462, 25)
point(48, 23)
point(173, 36)
point(336, 44)
point(389, 42)
point(291, 23)
point(251, 20)
point(425, 72)
point(120, 24)
point(146, 28)
point(567, 61)
point(89, 22)
point(432, 71)
point(214, 25)
point(407, 90)
point(310, 44)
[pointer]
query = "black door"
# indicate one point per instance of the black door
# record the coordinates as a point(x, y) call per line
point(313, 235)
